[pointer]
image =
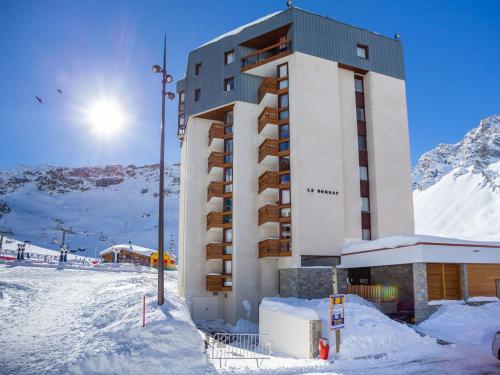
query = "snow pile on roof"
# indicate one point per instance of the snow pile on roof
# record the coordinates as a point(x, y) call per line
point(464, 324)
point(132, 248)
point(398, 241)
point(239, 29)
point(367, 331)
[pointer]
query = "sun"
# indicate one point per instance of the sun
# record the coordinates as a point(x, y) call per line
point(105, 117)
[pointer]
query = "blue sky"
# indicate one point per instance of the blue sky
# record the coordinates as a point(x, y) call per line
point(92, 49)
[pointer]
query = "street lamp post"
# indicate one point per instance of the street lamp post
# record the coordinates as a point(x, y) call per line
point(166, 78)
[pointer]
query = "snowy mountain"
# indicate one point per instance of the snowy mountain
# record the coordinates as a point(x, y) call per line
point(101, 205)
point(457, 187)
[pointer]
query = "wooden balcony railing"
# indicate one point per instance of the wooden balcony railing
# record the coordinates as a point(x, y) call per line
point(274, 248)
point(269, 180)
point(215, 250)
point(216, 131)
point(378, 293)
point(268, 85)
point(270, 147)
point(265, 55)
point(268, 116)
point(219, 283)
point(270, 213)
point(216, 189)
point(215, 160)
point(217, 219)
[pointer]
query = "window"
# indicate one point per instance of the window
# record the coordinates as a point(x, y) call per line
point(283, 115)
point(228, 188)
point(229, 84)
point(283, 70)
point(197, 95)
point(283, 84)
point(182, 97)
point(227, 205)
point(360, 113)
point(228, 267)
point(285, 196)
point(229, 118)
point(283, 101)
point(284, 146)
point(365, 204)
point(363, 173)
point(362, 51)
point(285, 178)
point(182, 120)
point(228, 151)
point(362, 142)
point(286, 212)
point(229, 57)
point(366, 234)
point(228, 235)
point(228, 250)
point(284, 131)
point(228, 282)
point(358, 84)
point(197, 69)
point(285, 230)
point(227, 219)
point(228, 174)
point(284, 163)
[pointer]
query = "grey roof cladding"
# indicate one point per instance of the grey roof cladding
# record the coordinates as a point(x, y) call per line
point(310, 33)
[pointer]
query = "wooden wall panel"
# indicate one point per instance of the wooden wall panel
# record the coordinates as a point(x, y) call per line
point(443, 281)
point(452, 281)
point(434, 281)
point(481, 279)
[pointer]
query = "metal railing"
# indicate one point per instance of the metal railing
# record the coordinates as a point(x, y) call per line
point(224, 346)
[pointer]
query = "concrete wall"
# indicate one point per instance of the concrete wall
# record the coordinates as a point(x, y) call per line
point(391, 198)
point(306, 283)
point(289, 334)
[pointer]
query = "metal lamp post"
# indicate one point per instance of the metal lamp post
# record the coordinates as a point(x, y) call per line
point(166, 78)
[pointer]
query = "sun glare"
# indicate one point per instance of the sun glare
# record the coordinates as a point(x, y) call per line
point(106, 117)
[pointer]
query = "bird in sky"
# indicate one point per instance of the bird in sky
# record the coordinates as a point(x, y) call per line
point(39, 99)
point(59, 91)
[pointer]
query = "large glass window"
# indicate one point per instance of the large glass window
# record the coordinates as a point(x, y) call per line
point(282, 84)
point(358, 84)
point(228, 174)
point(228, 250)
point(228, 267)
point(228, 151)
point(283, 115)
point(284, 163)
point(228, 188)
point(284, 146)
point(282, 70)
point(285, 178)
point(363, 173)
point(365, 204)
point(283, 101)
point(362, 142)
point(360, 113)
point(284, 131)
point(285, 196)
point(285, 231)
point(286, 212)
point(228, 282)
point(228, 235)
point(229, 118)
point(227, 205)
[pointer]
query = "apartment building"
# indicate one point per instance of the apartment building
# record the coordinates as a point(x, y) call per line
point(294, 143)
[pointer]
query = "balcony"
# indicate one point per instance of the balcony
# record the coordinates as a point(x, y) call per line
point(268, 85)
point(268, 116)
point(269, 180)
point(265, 55)
point(215, 250)
point(219, 283)
point(270, 147)
point(274, 248)
point(221, 220)
point(216, 131)
point(270, 213)
point(216, 189)
point(216, 160)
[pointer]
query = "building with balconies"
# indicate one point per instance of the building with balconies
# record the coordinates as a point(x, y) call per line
point(294, 142)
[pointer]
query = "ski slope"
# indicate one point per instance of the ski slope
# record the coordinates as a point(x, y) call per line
point(87, 322)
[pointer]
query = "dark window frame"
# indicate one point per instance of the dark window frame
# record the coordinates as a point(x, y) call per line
point(226, 80)
point(362, 47)
point(227, 54)
point(197, 95)
point(197, 69)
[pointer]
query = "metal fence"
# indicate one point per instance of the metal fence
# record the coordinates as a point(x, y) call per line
point(224, 346)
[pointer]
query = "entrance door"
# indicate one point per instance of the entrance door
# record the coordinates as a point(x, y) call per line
point(360, 276)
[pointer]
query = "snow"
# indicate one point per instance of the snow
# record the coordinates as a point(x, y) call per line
point(464, 324)
point(483, 299)
point(392, 242)
point(10, 245)
point(132, 248)
point(239, 29)
point(83, 322)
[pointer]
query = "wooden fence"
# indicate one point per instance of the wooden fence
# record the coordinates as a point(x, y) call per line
point(378, 293)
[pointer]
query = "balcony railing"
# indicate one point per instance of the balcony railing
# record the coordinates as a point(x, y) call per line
point(265, 55)
point(274, 248)
point(268, 180)
point(215, 250)
point(268, 116)
point(219, 283)
point(217, 189)
point(216, 160)
point(270, 213)
point(378, 293)
point(268, 85)
point(216, 131)
point(216, 219)
point(270, 147)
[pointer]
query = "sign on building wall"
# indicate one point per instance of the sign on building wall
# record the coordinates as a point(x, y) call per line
point(337, 303)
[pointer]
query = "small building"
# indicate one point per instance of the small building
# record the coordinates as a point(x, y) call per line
point(426, 270)
point(169, 261)
point(127, 254)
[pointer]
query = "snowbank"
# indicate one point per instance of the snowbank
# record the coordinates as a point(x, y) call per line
point(367, 331)
point(463, 324)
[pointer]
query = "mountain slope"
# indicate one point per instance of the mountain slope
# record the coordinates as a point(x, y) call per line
point(457, 187)
point(102, 205)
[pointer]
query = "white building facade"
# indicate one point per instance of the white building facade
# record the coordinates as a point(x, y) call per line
point(294, 143)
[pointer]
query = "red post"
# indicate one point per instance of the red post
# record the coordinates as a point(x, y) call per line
point(144, 311)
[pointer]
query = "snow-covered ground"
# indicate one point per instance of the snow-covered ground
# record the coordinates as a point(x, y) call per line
point(86, 322)
point(61, 321)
